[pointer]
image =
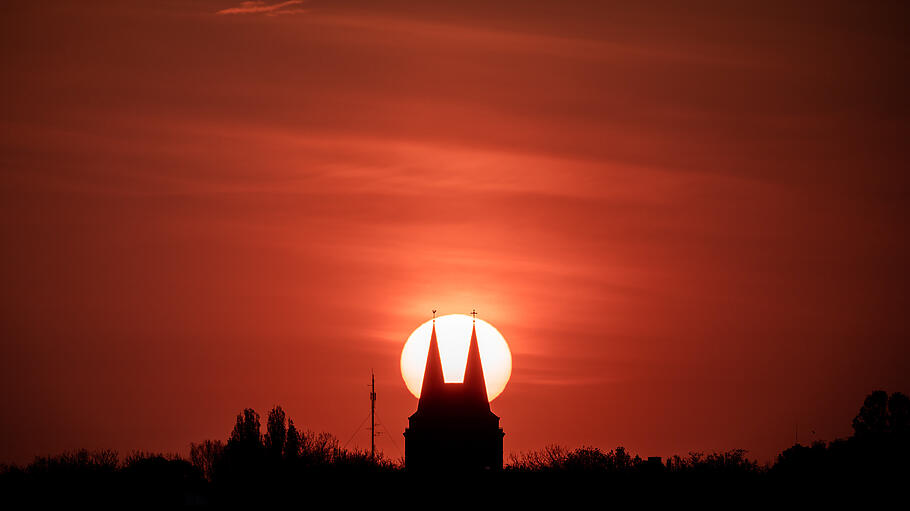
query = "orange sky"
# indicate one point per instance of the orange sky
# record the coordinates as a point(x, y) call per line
point(689, 222)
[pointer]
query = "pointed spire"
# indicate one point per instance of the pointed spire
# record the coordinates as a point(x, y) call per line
point(433, 379)
point(474, 382)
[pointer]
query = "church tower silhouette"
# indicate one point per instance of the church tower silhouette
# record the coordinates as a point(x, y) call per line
point(453, 427)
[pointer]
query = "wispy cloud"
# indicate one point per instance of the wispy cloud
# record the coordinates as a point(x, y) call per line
point(257, 7)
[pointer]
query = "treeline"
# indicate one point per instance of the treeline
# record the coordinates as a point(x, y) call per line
point(283, 460)
point(556, 458)
point(101, 477)
point(880, 445)
point(282, 452)
point(249, 465)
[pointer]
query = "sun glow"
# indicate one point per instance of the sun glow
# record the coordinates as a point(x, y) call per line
point(454, 334)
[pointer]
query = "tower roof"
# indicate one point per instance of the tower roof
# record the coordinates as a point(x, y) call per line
point(433, 379)
point(475, 386)
point(462, 403)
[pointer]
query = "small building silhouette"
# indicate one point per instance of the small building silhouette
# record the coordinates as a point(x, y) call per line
point(453, 427)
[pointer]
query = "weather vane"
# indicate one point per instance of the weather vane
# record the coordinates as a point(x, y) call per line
point(434, 314)
point(473, 314)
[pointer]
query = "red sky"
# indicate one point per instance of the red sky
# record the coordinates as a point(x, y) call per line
point(689, 221)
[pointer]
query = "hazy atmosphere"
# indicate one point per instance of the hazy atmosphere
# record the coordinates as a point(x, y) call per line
point(688, 222)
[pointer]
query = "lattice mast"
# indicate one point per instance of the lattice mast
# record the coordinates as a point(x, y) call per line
point(372, 415)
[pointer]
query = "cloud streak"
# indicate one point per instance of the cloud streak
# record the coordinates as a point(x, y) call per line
point(257, 7)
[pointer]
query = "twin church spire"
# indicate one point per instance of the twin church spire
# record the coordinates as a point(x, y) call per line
point(473, 389)
point(453, 427)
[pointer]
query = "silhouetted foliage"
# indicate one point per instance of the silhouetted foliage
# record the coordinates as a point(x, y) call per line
point(82, 461)
point(292, 443)
point(99, 476)
point(250, 465)
point(548, 458)
point(241, 464)
point(246, 435)
point(880, 444)
point(319, 449)
point(554, 458)
point(591, 459)
point(204, 456)
point(872, 418)
point(733, 461)
point(883, 415)
point(158, 478)
point(251, 462)
point(899, 414)
point(276, 433)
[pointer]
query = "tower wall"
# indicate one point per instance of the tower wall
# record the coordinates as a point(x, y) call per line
point(448, 448)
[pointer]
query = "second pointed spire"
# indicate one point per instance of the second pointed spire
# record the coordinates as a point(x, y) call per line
point(474, 382)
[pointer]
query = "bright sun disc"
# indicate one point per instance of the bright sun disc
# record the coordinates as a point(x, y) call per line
point(453, 332)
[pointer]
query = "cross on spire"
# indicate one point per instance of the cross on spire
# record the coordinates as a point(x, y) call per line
point(434, 315)
point(474, 315)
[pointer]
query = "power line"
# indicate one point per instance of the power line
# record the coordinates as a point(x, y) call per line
point(365, 419)
point(389, 434)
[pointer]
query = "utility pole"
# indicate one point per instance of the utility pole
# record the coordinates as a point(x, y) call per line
point(372, 415)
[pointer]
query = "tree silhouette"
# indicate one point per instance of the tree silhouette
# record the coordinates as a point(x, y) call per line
point(292, 444)
point(240, 466)
point(881, 415)
point(204, 456)
point(899, 414)
point(276, 433)
point(246, 431)
point(555, 458)
point(879, 447)
point(872, 418)
point(161, 479)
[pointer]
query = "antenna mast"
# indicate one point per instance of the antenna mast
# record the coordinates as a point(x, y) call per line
point(372, 415)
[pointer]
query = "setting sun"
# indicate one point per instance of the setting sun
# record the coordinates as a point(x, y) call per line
point(454, 333)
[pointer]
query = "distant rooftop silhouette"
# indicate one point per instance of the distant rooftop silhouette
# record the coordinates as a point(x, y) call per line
point(453, 427)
